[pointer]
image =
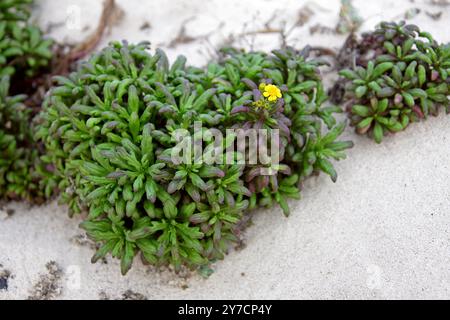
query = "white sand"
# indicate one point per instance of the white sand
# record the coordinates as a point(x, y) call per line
point(382, 231)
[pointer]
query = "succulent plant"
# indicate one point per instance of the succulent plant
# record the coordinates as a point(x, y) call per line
point(23, 51)
point(110, 127)
point(401, 75)
point(15, 10)
point(17, 176)
point(298, 114)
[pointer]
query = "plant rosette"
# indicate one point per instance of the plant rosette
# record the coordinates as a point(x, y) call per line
point(401, 76)
point(112, 127)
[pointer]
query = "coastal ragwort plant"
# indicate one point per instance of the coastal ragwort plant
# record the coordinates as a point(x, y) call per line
point(255, 81)
point(23, 49)
point(109, 130)
point(400, 75)
point(23, 52)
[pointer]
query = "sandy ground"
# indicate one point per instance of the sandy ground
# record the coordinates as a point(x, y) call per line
point(382, 231)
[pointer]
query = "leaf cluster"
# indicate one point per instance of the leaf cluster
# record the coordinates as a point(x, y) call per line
point(23, 51)
point(107, 129)
point(401, 76)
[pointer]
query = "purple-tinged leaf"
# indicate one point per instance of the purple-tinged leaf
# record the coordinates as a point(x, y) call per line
point(249, 83)
point(239, 109)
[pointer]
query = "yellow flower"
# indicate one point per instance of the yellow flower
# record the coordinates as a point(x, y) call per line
point(272, 92)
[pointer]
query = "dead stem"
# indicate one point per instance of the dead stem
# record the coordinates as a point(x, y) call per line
point(110, 14)
point(65, 56)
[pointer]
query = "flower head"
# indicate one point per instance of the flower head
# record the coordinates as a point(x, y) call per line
point(272, 92)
